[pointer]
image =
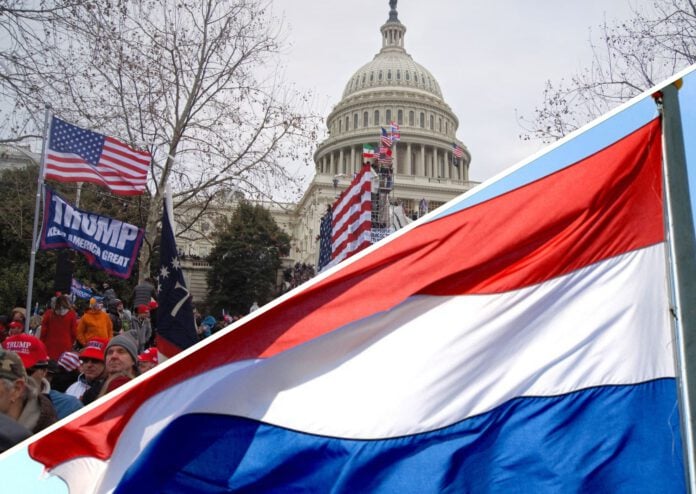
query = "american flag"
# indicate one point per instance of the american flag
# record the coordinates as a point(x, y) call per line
point(386, 139)
point(349, 224)
point(80, 155)
point(325, 239)
point(457, 154)
point(395, 131)
point(385, 156)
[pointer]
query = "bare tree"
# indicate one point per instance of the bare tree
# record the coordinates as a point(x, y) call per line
point(193, 80)
point(628, 58)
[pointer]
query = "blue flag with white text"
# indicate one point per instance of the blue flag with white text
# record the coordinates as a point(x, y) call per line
point(106, 243)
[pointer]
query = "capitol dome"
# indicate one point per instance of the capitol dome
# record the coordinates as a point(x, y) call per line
point(393, 67)
point(390, 93)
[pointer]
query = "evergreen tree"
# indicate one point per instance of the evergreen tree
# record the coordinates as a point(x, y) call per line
point(246, 259)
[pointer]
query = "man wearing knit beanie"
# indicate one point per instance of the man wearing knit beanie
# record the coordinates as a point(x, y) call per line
point(121, 357)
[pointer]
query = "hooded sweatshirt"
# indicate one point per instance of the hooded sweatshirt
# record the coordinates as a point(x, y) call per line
point(94, 323)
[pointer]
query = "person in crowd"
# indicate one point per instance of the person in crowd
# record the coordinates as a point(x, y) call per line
point(124, 315)
point(11, 431)
point(121, 356)
point(18, 314)
point(66, 372)
point(88, 384)
point(148, 359)
point(116, 323)
point(4, 330)
point(15, 327)
point(141, 330)
point(109, 294)
point(27, 404)
point(144, 292)
point(35, 359)
point(59, 328)
point(94, 323)
point(153, 305)
point(35, 323)
point(205, 329)
point(11, 371)
point(64, 403)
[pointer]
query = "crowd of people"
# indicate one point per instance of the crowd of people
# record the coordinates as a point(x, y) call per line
point(69, 357)
point(67, 361)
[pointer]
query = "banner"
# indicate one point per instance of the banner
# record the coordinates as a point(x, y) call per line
point(107, 243)
point(80, 290)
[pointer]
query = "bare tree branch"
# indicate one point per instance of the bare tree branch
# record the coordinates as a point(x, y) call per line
point(628, 58)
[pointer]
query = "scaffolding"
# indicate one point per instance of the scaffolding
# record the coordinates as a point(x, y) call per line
point(382, 193)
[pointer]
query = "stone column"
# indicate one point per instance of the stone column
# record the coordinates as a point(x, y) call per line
point(420, 164)
point(408, 159)
point(332, 167)
point(352, 161)
point(448, 164)
point(341, 163)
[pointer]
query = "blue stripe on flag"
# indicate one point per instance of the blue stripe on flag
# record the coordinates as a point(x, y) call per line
point(626, 437)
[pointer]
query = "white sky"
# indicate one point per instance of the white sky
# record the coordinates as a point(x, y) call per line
point(490, 57)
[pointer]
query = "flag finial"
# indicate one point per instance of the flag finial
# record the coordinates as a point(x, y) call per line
point(393, 14)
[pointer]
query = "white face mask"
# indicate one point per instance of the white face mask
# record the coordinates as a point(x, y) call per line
point(62, 311)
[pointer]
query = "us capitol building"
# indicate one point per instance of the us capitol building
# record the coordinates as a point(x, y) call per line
point(391, 87)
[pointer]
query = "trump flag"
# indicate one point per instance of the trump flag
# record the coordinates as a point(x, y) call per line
point(522, 343)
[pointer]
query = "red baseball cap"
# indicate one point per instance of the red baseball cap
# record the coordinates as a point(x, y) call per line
point(30, 349)
point(142, 309)
point(94, 349)
point(149, 355)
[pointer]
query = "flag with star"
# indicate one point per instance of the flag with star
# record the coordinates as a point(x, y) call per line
point(176, 327)
point(80, 155)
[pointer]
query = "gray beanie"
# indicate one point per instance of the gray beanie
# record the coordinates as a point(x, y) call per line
point(127, 342)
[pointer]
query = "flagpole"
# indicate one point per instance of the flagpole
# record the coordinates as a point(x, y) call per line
point(34, 236)
point(682, 252)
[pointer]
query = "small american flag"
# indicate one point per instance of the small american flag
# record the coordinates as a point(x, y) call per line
point(385, 156)
point(457, 152)
point(80, 155)
point(395, 132)
point(386, 139)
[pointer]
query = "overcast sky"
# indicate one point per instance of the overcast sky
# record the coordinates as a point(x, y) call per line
point(491, 58)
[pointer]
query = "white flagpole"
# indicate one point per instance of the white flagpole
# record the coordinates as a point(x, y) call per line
point(35, 235)
point(682, 252)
